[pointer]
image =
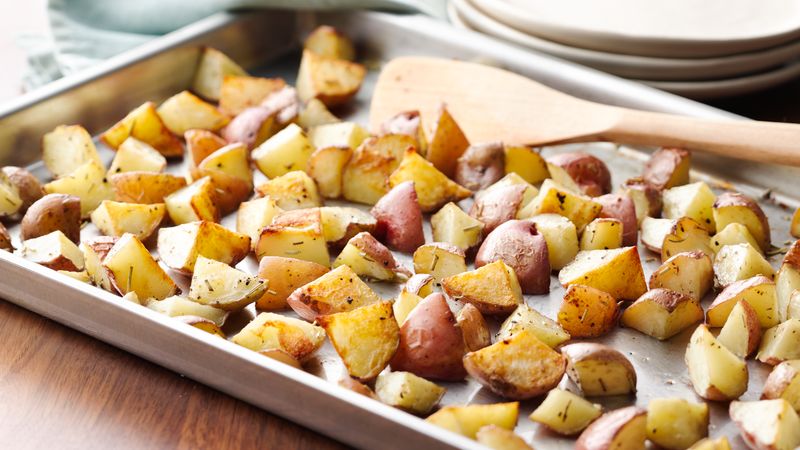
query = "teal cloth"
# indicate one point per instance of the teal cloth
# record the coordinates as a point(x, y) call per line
point(85, 32)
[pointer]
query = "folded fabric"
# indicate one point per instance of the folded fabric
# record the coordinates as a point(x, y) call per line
point(85, 32)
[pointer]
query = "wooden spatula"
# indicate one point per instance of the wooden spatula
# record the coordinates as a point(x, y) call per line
point(491, 104)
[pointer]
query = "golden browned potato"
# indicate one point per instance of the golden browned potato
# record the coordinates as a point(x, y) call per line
point(492, 288)
point(284, 275)
point(294, 190)
point(365, 338)
point(518, 368)
point(646, 198)
point(602, 234)
point(67, 148)
point(325, 166)
point(447, 143)
point(599, 370)
point(116, 219)
point(783, 382)
point(662, 313)
point(193, 203)
point(403, 305)
point(469, 419)
point(364, 177)
point(184, 111)
point(332, 81)
point(767, 424)
point(145, 187)
point(498, 438)
point(371, 259)
point(131, 268)
point(434, 189)
point(212, 68)
point(53, 250)
point(25, 184)
point(740, 262)
point(581, 172)
point(408, 392)
point(473, 327)
point(50, 213)
point(565, 413)
point(268, 331)
point(304, 241)
point(179, 246)
point(617, 272)
point(733, 207)
point(329, 42)
point(342, 223)
point(254, 215)
point(518, 244)
point(453, 226)
point(780, 343)
point(408, 123)
point(287, 151)
point(676, 424)
point(527, 163)
point(557, 199)
point(439, 260)
point(685, 235)
point(561, 237)
point(144, 124)
point(340, 134)
point(694, 200)
point(527, 318)
point(758, 291)
point(742, 331)
point(690, 273)
point(217, 284)
point(668, 167)
point(587, 312)
point(134, 155)
point(714, 371)
point(480, 166)
point(339, 290)
point(621, 429)
point(239, 92)
point(431, 343)
point(229, 170)
point(88, 182)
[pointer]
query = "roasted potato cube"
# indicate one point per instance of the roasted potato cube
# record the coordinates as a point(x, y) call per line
point(556, 199)
point(131, 268)
point(518, 244)
point(581, 173)
point(194, 202)
point(662, 313)
point(739, 262)
point(587, 312)
point(420, 284)
point(767, 424)
point(270, 331)
point(94, 251)
point(315, 114)
point(431, 343)
point(527, 163)
point(617, 272)
point(622, 208)
point(602, 234)
point(676, 424)
point(134, 155)
point(252, 127)
point(177, 306)
point(453, 226)
point(399, 218)
point(213, 67)
point(284, 276)
point(19, 189)
point(408, 392)
point(54, 251)
point(520, 367)
point(341, 134)
point(294, 190)
point(51, 213)
point(685, 235)
point(599, 370)
point(341, 223)
point(492, 288)
point(742, 331)
point(365, 338)
point(758, 291)
point(715, 372)
point(783, 382)
point(239, 92)
point(512, 179)
point(733, 207)
point(694, 200)
point(229, 170)
point(88, 182)
point(325, 166)
point(646, 198)
point(364, 179)
point(146, 125)
point(371, 259)
point(561, 237)
point(116, 219)
point(497, 205)
point(447, 143)
point(668, 167)
point(469, 419)
point(654, 231)
point(498, 438)
point(780, 343)
point(408, 123)
point(434, 189)
point(286, 151)
point(145, 187)
point(217, 284)
point(690, 273)
point(440, 260)
point(733, 233)
point(302, 242)
point(527, 318)
point(565, 413)
point(473, 327)
point(332, 81)
point(67, 148)
point(255, 215)
point(180, 246)
point(480, 165)
point(622, 429)
point(185, 111)
point(404, 304)
point(339, 290)
point(329, 42)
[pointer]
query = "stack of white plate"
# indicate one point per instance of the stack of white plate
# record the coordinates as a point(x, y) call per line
point(695, 48)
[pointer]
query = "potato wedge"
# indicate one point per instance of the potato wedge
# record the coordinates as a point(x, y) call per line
point(285, 275)
point(194, 202)
point(134, 155)
point(602, 234)
point(714, 371)
point(599, 370)
point(332, 81)
point(565, 413)
point(473, 327)
point(144, 124)
point(588, 174)
point(758, 291)
point(325, 166)
point(542, 327)
point(668, 167)
point(742, 331)
point(480, 166)
point(617, 272)
point(94, 251)
point(518, 244)
point(453, 226)
point(286, 151)
point(783, 382)
point(440, 260)
point(690, 273)
point(676, 424)
point(54, 251)
point(145, 187)
point(229, 169)
point(646, 198)
point(399, 218)
point(561, 237)
point(50, 213)
point(327, 41)
point(269, 331)
point(733, 233)
point(498, 438)
point(404, 304)
point(739, 262)
point(212, 68)
point(180, 246)
point(492, 288)
point(239, 92)
point(469, 419)
point(556, 199)
point(447, 143)
point(116, 219)
point(733, 207)
point(780, 343)
point(67, 148)
point(685, 235)
point(88, 182)
point(527, 163)
point(434, 189)
point(217, 284)
point(587, 312)
point(294, 190)
point(177, 306)
point(371, 259)
point(255, 215)
point(408, 392)
point(364, 179)
point(662, 313)
point(694, 200)
point(131, 268)
point(767, 424)
point(339, 290)
point(185, 111)
point(621, 429)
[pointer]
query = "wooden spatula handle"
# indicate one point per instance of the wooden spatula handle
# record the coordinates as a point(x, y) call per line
point(769, 142)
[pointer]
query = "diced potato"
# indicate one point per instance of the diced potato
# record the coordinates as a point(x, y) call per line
point(587, 312)
point(646, 198)
point(662, 313)
point(315, 114)
point(185, 111)
point(783, 382)
point(339, 290)
point(420, 284)
point(556, 199)
point(676, 424)
point(332, 81)
point(213, 67)
point(527, 318)
point(566, 413)
point(239, 92)
point(690, 273)
point(286, 151)
point(255, 215)
point(758, 291)
point(468, 419)
point(88, 182)
point(741, 332)
point(434, 189)
point(780, 343)
point(622, 429)
point(402, 306)
point(668, 167)
point(617, 272)
point(302, 242)
point(408, 392)
point(329, 42)
point(284, 276)
point(229, 170)
point(341, 223)
point(599, 370)
point(194, 202)
point(767, 424)
point(527, 163)
point(253, 126)
point(269, 331)
point(685, 235)
point(715, 372)
point(733, 233)
point(180, 246)
point(473, 328)
point(10, 200)
point(144, 124)
point(217, 284)
point(67, 148)
point(116, 219)
point(54, 251)
point(131, 268)
point(654, 231)
point(694, 200)
point(294, 190)
point(177, 306)
point(145, 187)
point(497, 205)
point(733, 207)
point(580, 172)
point(94, 251)
point(134, 155)
point(740, 262)
point(365, 338)
point(440, 260)
point(453, 226)
point(493, 288)
point(325, 166)
point(602, 234)
point(371, 259)
point(561, 237)
point(498, 438)
point(447, 143)
point(364, 179)
point(341, 134)
point(787, 280)
point(410, 124)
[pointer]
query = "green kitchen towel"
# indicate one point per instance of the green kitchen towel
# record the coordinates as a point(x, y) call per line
point(85, 32)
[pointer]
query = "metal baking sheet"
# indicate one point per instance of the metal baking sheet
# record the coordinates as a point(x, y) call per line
point(266, 44)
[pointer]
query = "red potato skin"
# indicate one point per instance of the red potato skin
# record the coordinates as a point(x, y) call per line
point(244, 127)
point(622, 208)
point(377, 251)
point(431, 343)
point(738, 199)
point(778, 380)
point(518, 244)
point(497, 206)
point(283, 103)
point(406, 123)
point(27, 185)
point(399, 218)
point(653, 195)
point(588, 172)
point(480, 166)
point(417, 282)
point(661, 165)
point(737, 287)
point(36, 218)
point(600, 434)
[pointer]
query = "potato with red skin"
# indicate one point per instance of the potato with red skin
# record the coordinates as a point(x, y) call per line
point(5, 239)
point(28, 186)
point(480, 166)
point(497, 206)
point(473, 327)
point(50, 213)
point(622, 208)
point(284, 275)
point(201, 143)
point(431, 343)
point(624, 428)
point(733, 207)
point(588, 172)
point(356, 386)
point(400, 218)
point(250, 127)
point(645, 196)
point(783, 382)
point(667, 167)
point(518, 244)
point(408, 123)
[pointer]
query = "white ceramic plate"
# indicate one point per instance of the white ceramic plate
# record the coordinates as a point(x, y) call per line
point(674, 28)
point(466, 15)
